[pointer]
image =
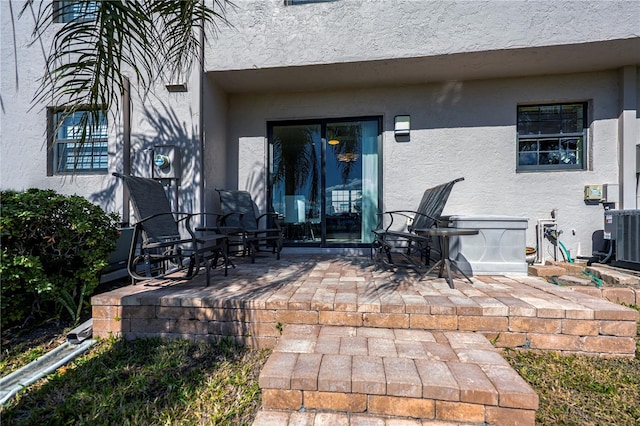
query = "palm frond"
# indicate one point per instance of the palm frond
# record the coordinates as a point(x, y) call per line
point(178, 28)
point(90, 59)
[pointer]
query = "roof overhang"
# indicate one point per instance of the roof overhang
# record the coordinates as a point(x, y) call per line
point(561, 59)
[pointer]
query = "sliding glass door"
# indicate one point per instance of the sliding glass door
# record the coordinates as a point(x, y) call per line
point(324, 180)
point(296, 153)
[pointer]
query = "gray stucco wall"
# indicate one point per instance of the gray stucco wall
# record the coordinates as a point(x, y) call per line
point(349, 58)
point(158, 117)
point(354, 58)
point(464, 128)
point(216, 173)
point(266, 33)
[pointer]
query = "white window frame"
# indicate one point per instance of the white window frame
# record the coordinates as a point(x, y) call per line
point(66, 155)
point(552, 142)
point(74, 11)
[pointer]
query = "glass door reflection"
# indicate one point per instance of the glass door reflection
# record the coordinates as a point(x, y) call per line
point(324, 180)
point(343, 194)
point(296, 153)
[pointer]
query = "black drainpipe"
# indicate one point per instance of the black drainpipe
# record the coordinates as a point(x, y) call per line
point(201, 116)
point(126, 147)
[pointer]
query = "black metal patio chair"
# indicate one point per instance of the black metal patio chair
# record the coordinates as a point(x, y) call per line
point(392, 241)
point(252, 231)
point(158, 248)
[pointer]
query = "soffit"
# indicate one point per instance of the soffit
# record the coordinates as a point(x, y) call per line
point(562, 59)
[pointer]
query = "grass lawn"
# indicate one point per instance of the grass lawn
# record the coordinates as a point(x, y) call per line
point(147, 381)
point(581, 390)
point(150, 381)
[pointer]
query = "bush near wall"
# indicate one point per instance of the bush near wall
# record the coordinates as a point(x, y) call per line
point(53, 248)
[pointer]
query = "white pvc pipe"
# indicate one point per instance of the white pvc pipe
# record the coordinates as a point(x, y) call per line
point(47, 364)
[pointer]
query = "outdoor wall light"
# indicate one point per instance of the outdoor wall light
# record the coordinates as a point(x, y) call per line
point(333, 142)
point(402, 125)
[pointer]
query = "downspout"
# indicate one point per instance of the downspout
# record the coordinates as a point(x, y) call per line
point(126, 147)
point(201, 115)
point(628, 136)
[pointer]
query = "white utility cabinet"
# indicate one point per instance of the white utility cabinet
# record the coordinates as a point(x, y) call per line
point(498, 249)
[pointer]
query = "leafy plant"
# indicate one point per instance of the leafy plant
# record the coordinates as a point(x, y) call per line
point(53, 249)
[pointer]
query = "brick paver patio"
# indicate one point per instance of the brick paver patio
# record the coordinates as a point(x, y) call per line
point(400, 350)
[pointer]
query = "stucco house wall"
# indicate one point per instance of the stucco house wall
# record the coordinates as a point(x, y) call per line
point(267, 33)
point(458, 129)
point(458, 68)
point(23, 129)
point(157, 118)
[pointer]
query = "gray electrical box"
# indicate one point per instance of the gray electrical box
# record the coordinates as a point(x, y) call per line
point(166, 162)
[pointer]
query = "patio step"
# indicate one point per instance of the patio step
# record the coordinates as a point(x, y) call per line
point(325, 418)
point(363, 375)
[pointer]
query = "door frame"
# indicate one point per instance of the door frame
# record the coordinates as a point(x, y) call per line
point(323, 132)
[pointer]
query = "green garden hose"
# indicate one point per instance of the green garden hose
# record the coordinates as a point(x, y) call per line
point(597, 281)
point(554, 280)
point(566, 252)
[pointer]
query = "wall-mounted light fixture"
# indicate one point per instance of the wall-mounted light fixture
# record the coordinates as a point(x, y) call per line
point(402, 125)
point(333, 142)
point(175, 88)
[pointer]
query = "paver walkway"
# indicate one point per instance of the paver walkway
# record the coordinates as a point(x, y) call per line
point(270, 304)
point(379, 373)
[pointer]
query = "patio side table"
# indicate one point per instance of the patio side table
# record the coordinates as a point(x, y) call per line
point(446, 264)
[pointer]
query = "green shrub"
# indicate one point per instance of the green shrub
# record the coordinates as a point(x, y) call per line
point(53, 249)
